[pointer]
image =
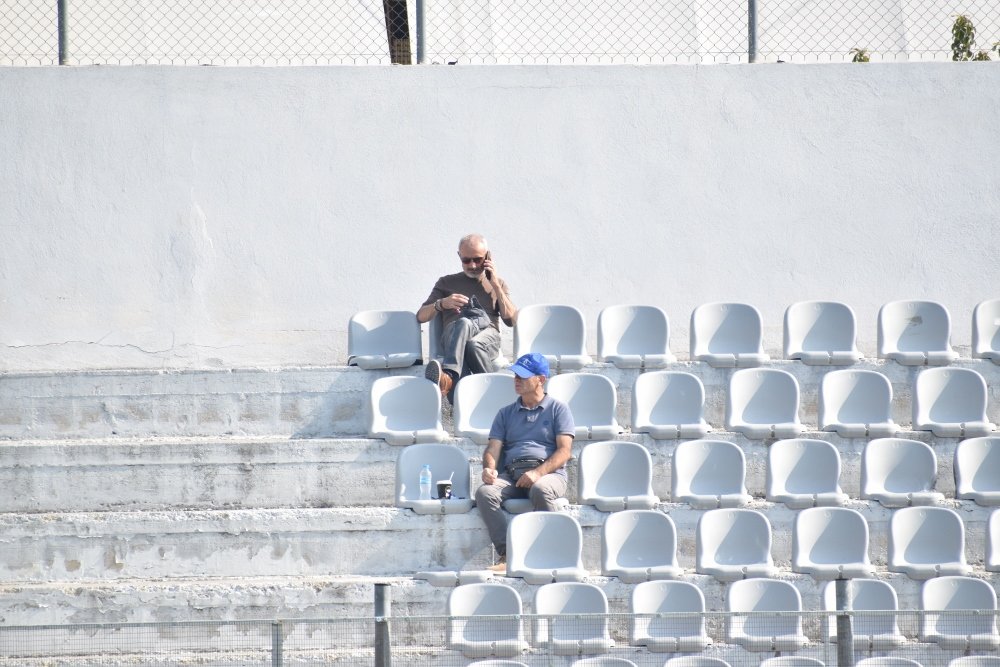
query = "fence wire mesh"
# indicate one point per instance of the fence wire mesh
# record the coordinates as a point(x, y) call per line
point(319, 32)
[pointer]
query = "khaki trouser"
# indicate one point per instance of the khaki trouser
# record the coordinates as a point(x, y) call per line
point(543, 495)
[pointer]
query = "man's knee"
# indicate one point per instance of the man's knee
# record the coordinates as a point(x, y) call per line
point(489, 495)
point(542, 494)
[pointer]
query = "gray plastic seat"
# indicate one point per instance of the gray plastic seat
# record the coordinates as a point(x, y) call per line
point(765, 632)
point(639, 545)
point(603, 661)
point(977, 470)
point(708, 474)
point(634, 337)
point(976, 661)
point(404, 410)
point(555, 331)
point(571, 619)
point(821, 333)
point(951, 403)
point(383, 339)
point(927, 542)
point(899, 473)
point(856, 404)
point(478, 398)
point(975, 631)
point(871, 632)
point(616, 476)
point(654, 623)
point(727, 335)
point(544, 547)
point(915, 333)
point(831, 543)
point(734, 544)
point(446, 461)
point(887, 661)
point(695, 661)
point(763, 403)
point(804, 473)
point(792, 661)
point(485, 637)
point(986, 331)
point(592, 399)
point(497, 663)
point(993, 542)
point(669, 405)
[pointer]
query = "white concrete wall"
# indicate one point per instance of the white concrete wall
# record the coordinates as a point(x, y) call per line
point(212, 217)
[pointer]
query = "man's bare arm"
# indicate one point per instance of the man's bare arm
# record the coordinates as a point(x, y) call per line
point(491, 456)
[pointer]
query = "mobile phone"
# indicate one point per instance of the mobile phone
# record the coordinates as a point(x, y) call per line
point(489, 274)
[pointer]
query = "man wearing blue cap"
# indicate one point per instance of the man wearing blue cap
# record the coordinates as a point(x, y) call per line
point(530, 442)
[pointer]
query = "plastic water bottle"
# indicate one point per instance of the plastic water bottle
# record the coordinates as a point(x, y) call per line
point(425, 482)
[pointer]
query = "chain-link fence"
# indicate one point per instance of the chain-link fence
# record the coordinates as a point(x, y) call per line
point(307, 32)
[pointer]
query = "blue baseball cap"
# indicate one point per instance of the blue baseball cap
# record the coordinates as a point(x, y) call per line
point(531, 364)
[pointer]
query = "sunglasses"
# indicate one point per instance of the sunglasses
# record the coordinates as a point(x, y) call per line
point(473, 260)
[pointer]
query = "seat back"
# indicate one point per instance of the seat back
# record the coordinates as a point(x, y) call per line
point(926, 535)
point(667, 398)
point(993, 542)
point(977, 468)
point(614, 469)
point(591, 398)
point(632, 330)
point(792, 661)
point(819, 326)
point(550, 330)
point(976, 661)
point(865, 595)
point(707, 468)
point(897, 465)
point(667, 597)
point(603, 661)
point(383, 339)
point(734, 537)
point(446, 461)
point(695, 661)
point(764, 595)
point(958, 594)
point(404, 404)
point(886, 661)
point(913, 326)
point(726, 328)
point(544, 541)
point(829, 536)
point(478, 398)
point(854, 397)
point(801, 466)
point(563, 601)
point(986, 329)
point(762, 396)
point(484, 599)
point(638, 539)
point(949, 395)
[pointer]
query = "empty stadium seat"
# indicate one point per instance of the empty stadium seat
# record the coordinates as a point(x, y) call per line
point(951, 403)
point(708, 474)
point(976, 661)
point(639, 545)
point(871, 632)
point(669, 405)
point(383, 339)
point(616, 476)
point(821, 333)
point(662, 634)
point(405, 410)
point(765, 632)
point(478, 398)
point(915, 333)
point(554, 331)
point(543, 547)
point(446, 461)
point(899, 473)
point(887, 661)
point(763, 403)
point(831, 543)
point(559, 627)
point(480, 638)
point(603, 661)
point(968, 631)
point(792, 661)
point(804, 473)
point(993, 542)
point(986, 331)
point(733, 544)
point(856, 404)
point(592, 400)
point(634, 337)
point(927, 542)
point(496, 663)
point(727, 335)
point(695, 661)
point(977, 470)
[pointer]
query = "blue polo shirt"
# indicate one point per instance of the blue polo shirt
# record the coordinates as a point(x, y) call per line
point(531, 432)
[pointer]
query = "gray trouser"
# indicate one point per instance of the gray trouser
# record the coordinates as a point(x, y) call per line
point(543, 495)
point(465, 351)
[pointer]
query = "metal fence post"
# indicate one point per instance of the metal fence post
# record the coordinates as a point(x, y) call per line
point(62, 19)
point(752, 30)
point(277, 641)
point(419, 16)
point(383, 609)
point(845, 635)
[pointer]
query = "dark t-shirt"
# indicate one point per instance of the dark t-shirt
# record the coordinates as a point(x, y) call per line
point(531, 433)
point(459, 283)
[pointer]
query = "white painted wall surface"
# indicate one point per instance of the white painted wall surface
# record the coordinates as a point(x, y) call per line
point(214, 217)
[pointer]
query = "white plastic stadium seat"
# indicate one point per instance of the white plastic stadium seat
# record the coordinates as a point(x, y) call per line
point(478, 398)
point(616, 476)
point(555, 331)
point(592, 400)
point(821, 333)
point(951, 403)
point(986, 331)
point(977, 631)
point(804, 473)
point(405, 410)
point(446, 462)
point(480, 638)
point(727, 335)
point(669, 405)
point(887, 661)
point(733, 544)
point(543, 547)
point(763, 403)
point(831, 543)
point(765, 632)
point(993, 542)
point(674, 634)
point(695, 661)
point(708, 474)
point(899, 473)
point(976, 661)
point(927, 542)
point(639, 545)
point(915, 333)
point(871, 632)
point(559, 626)
point(792, 661)
point(634, 337)
point(977, 470)
point(856, 404)
point(603, 661)
point(496, 663)
point(383, 339)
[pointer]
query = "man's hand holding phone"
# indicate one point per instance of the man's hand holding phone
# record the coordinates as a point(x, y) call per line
point(488, 266)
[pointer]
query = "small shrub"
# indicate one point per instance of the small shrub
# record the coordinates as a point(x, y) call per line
point(860, 56)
